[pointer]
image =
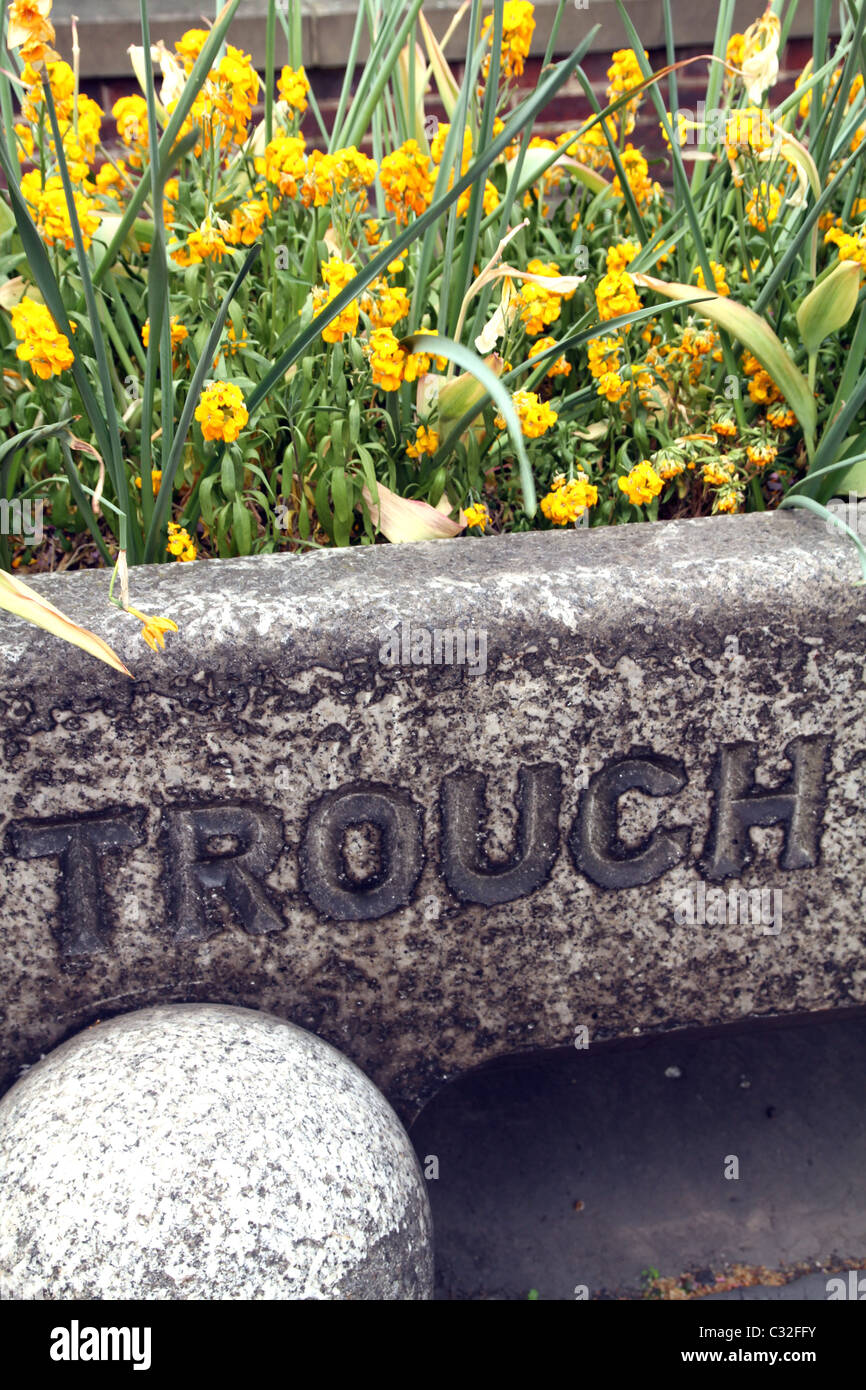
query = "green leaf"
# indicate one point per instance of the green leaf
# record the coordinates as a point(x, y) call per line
point(242, 527)
point(22, 440)
point(163, 501)
point(477, 367)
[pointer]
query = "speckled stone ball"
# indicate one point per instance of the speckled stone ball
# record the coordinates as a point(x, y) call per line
point(198, 1151)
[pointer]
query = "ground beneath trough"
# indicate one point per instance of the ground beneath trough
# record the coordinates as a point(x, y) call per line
point(607, 1168)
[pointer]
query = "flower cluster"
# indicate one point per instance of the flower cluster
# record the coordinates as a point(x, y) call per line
point(40, 342)
point(518, 26)
point(616, 295)
point(407, 181)
point(536, 416)
point(31, 31)
point(392, 364)
point(641, 484)
point(180, 543)
point(221, 411)
point(337, 274)
point(49, 209)
point(294, 88)
point(568, 500)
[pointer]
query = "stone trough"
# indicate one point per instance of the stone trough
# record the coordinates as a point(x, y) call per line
point(444, 802)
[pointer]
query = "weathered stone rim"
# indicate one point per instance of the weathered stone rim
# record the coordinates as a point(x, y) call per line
point(703, 540)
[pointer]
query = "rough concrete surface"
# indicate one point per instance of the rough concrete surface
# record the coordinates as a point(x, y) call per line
point(196, 1152)
point(432, 865)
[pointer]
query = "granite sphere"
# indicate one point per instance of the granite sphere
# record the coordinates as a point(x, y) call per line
point(200, 1151)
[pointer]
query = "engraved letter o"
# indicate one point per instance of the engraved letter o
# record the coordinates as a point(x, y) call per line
point(323, 875)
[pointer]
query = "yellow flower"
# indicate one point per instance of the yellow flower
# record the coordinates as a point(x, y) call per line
point(179, 332)
point(206, 243)
point(31, 30)
point(437, 146)
point(642, 484)
point(763, 206)
point(622, 254)
point(224, 106)
point(426, 442)
point(336, 274)
point(130, 114)
point(180, 543)
point(781, 418)
point(392, 364)
point(850, 248)
point(698, 343)
point(735, 51)
point(398, 263)
point(233, 345)
point(667, 466)
point(611, 386)
point(248, 219)
point(593, 149)
point(39, 340)
point(387, 359)
point(50, 210)
point(536, 416)
point(616, 294)
point(344, 174)
point(171, 191)
point(637, 176)
point(604, 355)
point(761, 454)
point(389, 306)
point(407, 181)
point(567, 501)
point(293, 88)
point(190, 45)
point(730, 502)
point(518, 26)
point(111, 176)
point(748, 129)
point(489, 199)
point(721, 286)
point(477, 515)
point(61, 79)
point(762, 389)
point(221, 411)
point(155, 480)
point(559, 366)
point(283, 163)
point(153, 628)
point(625, 73)
point(725, 429)
point(716, 475)
point(806, 99)
point(26, 18)
point(538, 307)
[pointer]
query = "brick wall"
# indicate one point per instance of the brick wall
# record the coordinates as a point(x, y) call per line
point(564, 112)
